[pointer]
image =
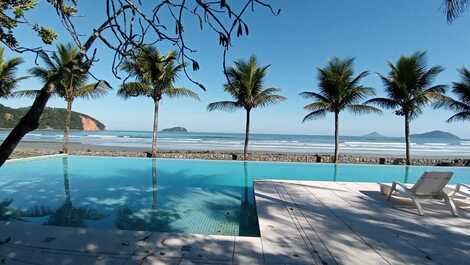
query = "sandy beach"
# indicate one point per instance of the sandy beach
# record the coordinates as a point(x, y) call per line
point(35, 148)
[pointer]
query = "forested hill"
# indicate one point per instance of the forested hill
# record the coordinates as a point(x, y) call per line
point(52, 118)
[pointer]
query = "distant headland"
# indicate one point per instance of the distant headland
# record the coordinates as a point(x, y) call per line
point(436, 135)
point(51, 119)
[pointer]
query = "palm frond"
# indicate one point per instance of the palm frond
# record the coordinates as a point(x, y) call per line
point(454, 8)
point(315, 115)
point(409, 85)
point(385, 103)
point(224, 106)
point(318, 105)
point(62, 69)
point(154, 75)
point(462, 88)
point(266, 97)
point(264, 101)
point(363, 109)
point(180, 92)
point(47, 60)
point(358, 78)
point(94, 90)
point(8, 71)
point(41, 73)
point(135, 89)
point(451, 104)
point(313, 95)
point(338, 89)
point(246, 85)
point(461, 116)
point(25, 93)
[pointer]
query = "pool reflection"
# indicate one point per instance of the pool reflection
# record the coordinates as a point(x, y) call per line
point(67, 214)
point(149, 218)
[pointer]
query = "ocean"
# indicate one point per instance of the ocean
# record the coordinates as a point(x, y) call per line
point(204, 141)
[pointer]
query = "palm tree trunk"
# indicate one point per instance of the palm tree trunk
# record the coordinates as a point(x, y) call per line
point(28, 123)
point(336, 137)
point(65, 165)
point(155, 129)
point(247, 135)
point(407, 138)
point(67, 127)
point(154, 183)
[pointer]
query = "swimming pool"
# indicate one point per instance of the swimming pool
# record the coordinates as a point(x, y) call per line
point(163, 195)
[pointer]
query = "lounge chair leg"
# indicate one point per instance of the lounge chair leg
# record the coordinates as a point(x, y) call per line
point(418, 205)
point(392, 189)
point(450, 202)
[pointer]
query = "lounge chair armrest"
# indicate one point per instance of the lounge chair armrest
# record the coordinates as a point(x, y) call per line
point(465, 186)
point(404, 190)
point(459, 187)
point(401, 185)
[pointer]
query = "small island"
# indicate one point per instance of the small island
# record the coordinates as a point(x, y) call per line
point(436, 135)
point(175, 130)
point(373, 135)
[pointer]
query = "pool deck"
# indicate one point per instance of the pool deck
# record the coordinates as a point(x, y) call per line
point(353, 223)
point(301, 222)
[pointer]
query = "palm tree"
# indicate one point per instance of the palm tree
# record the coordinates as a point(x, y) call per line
point(8, 79)
point(72, 85)
point(409, 89)
point(461, 106)
point(154, 76)
point(245, 85)
point(338, 90)
point(454, 8)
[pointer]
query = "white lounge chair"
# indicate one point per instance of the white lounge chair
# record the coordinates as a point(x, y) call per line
point(429, 186)
point(461, 189)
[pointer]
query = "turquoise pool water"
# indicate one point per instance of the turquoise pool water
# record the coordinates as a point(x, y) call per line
point(164, 195)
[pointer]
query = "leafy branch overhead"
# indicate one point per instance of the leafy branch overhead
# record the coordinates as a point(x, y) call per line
point(130, 24)
point(12, 16)
point(127, 27)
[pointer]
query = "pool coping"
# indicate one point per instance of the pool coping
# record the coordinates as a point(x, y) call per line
point(234, 161)
point(35, 158)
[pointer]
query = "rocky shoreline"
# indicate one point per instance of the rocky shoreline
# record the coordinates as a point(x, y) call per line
point(255, 156)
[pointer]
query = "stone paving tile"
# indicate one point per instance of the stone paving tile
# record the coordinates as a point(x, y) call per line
point(68, 258)
point(200, 247)
point(201, 262)
point(248, 250)
point(13, 254)
point(116, 242)
point(155, 260)
point(152, 260)
point(18, 255)
point(292, 252)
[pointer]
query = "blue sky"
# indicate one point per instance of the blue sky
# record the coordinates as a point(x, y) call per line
point(302, 38)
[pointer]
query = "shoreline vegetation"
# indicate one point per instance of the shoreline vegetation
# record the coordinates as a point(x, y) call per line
point(30, 149)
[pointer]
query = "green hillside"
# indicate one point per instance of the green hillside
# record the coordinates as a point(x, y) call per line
point(52, 118)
